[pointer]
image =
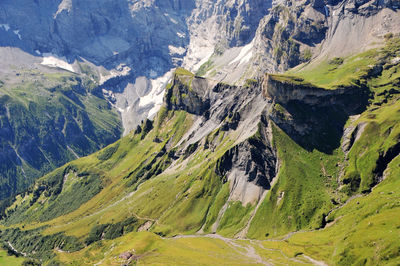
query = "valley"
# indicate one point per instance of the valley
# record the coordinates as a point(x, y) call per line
point(199, 133)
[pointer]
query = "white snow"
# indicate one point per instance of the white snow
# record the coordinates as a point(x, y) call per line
point(171, 19)
point(64, 5)
point(120, 110)
point(16, 32)
point(245, 54)
point(181, 34)
point(55, 61)
point(156, 94)
point(6, 27)
point(38, 52)
point(176, 50)
point(199, 53)
point(73, 152)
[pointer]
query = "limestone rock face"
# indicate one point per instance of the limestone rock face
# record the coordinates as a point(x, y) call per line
point(294, 32)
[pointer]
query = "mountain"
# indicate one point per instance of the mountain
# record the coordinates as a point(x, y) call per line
point(125, 51)
point(282, 148)
point(47, 118)
point(282, 154)
point(118, 56)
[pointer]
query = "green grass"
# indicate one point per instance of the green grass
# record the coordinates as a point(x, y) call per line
point(365, 231)
point(183, 72)
point(152, 250)
point(44, 113)
point(349, 71)
point(291, 79)
point(330, 74)
point(8, 260)
point(234, 219)
point(205, 68)
point(305, 179)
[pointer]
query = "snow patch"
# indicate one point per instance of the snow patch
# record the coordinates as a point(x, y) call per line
point(156, 95)
point(181, 35)
point(16, 32)
point(121, 110)
point(199, 53)
point(73, 152)
point(64, 5)
point(38, 52)
point(245, 54)
point(171, 19)
point(6, 27)
point(55, 61)
point(176, 50)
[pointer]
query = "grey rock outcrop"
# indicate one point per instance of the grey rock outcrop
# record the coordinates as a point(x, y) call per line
point(294, 32)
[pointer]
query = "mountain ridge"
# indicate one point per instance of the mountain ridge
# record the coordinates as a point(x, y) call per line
point(179, 174)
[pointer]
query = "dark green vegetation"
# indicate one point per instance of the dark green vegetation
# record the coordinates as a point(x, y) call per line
point(37, 245)
point(336, 186)
point(111, 231)
point(47, 120)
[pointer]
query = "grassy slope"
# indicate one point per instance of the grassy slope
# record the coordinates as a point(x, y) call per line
point(305, 184)
point(8, 260)
point(184, 199)
point(365, 231)
point(42, 114)
point(339, 71)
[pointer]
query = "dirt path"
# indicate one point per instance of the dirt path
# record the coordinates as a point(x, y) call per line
point(245, 250)
point(315, 262)
point(259, 244)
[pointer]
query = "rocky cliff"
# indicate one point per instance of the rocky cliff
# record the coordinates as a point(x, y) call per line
point(294, 32)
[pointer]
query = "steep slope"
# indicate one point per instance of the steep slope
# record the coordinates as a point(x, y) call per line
point(48, 117)
point(123, 50)
point(274, 156)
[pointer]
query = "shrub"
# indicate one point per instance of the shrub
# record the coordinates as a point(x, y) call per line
point(336, 61)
